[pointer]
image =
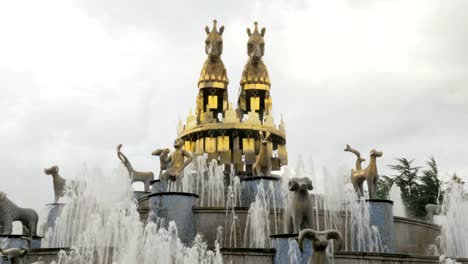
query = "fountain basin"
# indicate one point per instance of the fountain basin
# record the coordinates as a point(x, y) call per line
point(156, 186)
point(18, 241)
point(248, 255)
point(177, 207)
point(285, 254)
point(250, 188)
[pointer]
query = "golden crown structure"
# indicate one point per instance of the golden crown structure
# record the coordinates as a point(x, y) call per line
point(230, 135)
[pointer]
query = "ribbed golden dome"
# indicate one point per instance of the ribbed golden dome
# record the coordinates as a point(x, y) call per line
point(255, 76)
point(213, 74)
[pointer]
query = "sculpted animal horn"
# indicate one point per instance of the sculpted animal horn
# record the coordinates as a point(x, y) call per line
point(335, 234)
point(350, 149)
point(120, 155)
point(306, 233)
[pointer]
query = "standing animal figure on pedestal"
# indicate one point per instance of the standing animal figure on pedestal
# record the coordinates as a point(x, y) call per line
point(59, 182)
point(163, 157)
point(136, 176)
point(15, 255)
point(10, 212)
point(319, 241)
point(369, 174)
point(177, 163)
point(262, 166)
point(300, 210)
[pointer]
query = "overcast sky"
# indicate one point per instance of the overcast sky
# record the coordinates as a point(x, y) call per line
point(79, 77)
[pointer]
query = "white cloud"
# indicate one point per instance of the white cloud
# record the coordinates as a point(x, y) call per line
point(79, 77)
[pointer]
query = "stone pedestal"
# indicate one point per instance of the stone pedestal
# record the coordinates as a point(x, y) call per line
point(156, 186)
point(18, 241)
point(250, 188)
point(381, 217)
point(287, 249)
point(177, 207)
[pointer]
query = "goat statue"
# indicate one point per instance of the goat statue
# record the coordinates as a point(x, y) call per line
point(369, 174)
point(60, 184)
point(300, 211)
point(135, 176)
point(262, 166)
point(319, 241)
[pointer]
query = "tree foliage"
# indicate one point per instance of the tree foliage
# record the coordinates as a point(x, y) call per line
point(384, 186)
point(418, 187)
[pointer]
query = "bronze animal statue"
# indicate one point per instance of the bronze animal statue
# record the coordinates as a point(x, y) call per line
point(177, 162)
point(136, 176)
point(163, 157)
point(256, 43)
point(300, 210)
point(14, 255)
point(262, 166)
point(214, 41)
point(369, 174)
point(359, 160)
point(10, 212)
point(319, 241)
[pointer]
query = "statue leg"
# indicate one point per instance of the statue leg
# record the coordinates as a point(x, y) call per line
point(146, 185)
point(164, 181)
point(370, 187)
point(297, 222)
point(6, 225)
point(356, 189)
point(361, 189)
point(309, 217)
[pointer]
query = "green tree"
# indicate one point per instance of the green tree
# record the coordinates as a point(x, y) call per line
point(428, 189)
point(407, 180)
point(384, 186)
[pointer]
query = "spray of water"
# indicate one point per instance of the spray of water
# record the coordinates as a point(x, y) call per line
point(207, 181)
point(102, 225)
point(398, 206)
point(454, 232)
point(257, 228)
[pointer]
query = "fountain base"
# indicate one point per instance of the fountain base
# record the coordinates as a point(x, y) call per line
point(270, 184)
point(287, 249)
point(18, 241)
point(177, 207)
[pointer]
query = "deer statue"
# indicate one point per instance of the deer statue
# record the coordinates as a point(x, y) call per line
point(369, 174)
point(136, 176)
point(262, 166)
point(319, 242)
point(359, 160)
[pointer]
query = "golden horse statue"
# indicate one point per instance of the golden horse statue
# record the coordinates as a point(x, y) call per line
point(369, 174)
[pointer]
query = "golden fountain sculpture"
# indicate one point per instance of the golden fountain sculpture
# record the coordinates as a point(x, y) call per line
point(369, 174)
point(233, 136)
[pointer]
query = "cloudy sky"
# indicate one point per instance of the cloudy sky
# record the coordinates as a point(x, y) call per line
point(79, 77)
